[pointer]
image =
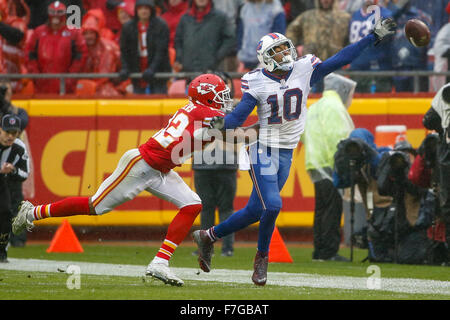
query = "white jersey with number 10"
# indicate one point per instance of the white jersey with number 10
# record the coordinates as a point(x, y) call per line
point(281, 103)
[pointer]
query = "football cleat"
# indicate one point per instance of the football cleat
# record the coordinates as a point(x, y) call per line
point(21, 221)
point(162, 272)
point(205, 249)
point(259, 276)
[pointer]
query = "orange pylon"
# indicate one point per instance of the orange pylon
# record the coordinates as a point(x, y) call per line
point(65, 240)
point(277, 249)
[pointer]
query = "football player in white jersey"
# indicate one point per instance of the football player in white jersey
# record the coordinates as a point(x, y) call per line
point(279, 90)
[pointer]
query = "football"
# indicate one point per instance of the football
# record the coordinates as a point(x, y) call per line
point(417, 33)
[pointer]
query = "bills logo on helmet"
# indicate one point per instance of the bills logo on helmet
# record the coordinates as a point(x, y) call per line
point(259, 46)
point(204, 88)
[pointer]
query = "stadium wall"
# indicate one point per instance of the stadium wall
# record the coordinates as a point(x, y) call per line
point(76, 143)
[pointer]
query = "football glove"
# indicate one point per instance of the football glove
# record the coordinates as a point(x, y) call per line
point(384, 28)
point(217, 123)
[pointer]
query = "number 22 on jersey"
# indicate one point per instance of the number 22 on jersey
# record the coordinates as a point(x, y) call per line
point(174, 130)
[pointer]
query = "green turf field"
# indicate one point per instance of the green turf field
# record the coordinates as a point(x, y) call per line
point(301, 280)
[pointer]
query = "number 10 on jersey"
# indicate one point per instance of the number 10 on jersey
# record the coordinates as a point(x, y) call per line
point(292, 106)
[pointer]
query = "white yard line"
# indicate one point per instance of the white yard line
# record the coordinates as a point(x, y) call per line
point(400, 285)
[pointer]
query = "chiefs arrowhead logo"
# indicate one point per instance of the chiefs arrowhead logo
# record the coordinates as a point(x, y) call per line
point(204, 88)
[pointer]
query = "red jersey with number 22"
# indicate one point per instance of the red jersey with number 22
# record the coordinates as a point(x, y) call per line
point(171, 145)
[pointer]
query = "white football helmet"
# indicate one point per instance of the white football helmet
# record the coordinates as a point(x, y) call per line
point(265, 52)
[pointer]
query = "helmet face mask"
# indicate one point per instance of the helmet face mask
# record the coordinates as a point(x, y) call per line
point(211, 91)
point(223, 98)
point(266, 52)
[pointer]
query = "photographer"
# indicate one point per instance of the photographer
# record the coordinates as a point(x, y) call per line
point(14, 165)
point(400, 235)
point(356, 162)
point(437, 118)
point(424, 173)
point(358, 156)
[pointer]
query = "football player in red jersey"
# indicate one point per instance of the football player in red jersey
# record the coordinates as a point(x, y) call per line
point(149, 168)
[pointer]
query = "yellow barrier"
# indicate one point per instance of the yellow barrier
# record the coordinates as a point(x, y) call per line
point(169, 106)
point(166, 107)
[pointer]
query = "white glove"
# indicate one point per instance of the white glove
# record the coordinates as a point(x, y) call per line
point(384, 28)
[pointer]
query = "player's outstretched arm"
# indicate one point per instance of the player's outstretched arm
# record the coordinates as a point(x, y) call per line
point(382, 29)
point(241, 112)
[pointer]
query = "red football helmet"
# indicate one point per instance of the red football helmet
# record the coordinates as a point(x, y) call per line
point(57, 9)
point(210, 90)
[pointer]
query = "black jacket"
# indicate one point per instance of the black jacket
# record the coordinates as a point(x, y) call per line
point(201, 46)
point(157, 46)
point(16, 155)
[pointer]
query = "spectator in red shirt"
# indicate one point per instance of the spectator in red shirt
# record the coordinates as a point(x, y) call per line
point(175, 9)
point(14, 17)
point(108, 8)
point(125, 12)
point(54, 48)
point(104, 31)
point(103, 55)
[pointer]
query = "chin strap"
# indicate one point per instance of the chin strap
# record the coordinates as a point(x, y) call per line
point(287, 65)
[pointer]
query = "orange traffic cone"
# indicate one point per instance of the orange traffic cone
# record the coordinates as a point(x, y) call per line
point(277, 249)
point(65, 240)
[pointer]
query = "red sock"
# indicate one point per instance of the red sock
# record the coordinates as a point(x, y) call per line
point(178, 230)
point(66, 207)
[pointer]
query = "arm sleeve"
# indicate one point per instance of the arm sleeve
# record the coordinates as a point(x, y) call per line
point(79, 53)
point(19, 158)
point(31, 54)
point(228, 41)
point(178, 41)
point(11, 34)
point(239, 34)
point(160, 47)
point(294, 30)
point(23, 168)
point(279, 23)
point(241, 112)
point(340, 59)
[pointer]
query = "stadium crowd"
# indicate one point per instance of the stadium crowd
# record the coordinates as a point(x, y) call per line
point(152, 36)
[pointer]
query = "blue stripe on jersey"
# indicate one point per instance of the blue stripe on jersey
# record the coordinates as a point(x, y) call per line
point(243, 109)
point(276, 77)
